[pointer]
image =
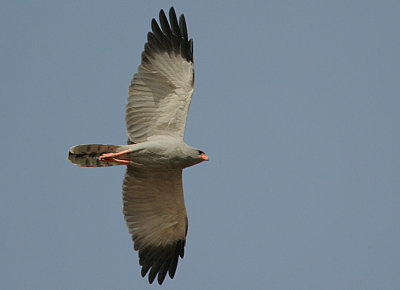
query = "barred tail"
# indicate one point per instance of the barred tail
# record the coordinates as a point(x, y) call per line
point(88, 155)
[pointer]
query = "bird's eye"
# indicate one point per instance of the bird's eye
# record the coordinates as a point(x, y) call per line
point(201, 152)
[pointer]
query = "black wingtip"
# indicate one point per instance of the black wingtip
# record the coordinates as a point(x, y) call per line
point(183, 28)
point(170, 36)
point(158, 261)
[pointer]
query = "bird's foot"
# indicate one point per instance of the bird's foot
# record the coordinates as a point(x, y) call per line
point(110, 157)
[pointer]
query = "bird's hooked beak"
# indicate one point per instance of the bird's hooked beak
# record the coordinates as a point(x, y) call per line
point(203, 156)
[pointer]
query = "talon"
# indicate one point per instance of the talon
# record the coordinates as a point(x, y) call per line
point(106, 155)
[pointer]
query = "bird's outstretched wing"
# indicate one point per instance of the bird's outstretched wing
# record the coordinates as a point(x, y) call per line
point(155, 214)
point(161, 90)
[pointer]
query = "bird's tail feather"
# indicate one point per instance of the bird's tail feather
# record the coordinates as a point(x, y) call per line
point(87, 155)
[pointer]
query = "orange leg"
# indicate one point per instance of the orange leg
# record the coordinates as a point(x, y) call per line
point(109, 157)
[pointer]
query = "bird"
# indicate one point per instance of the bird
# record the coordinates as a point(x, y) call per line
point(156, 153)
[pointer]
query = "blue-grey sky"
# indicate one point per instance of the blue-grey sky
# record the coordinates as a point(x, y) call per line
point(296, 103)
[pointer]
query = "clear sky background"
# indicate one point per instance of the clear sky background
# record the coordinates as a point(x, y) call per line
point(297, 103)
